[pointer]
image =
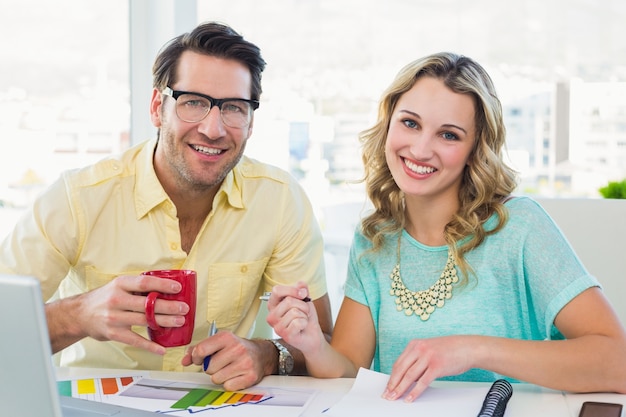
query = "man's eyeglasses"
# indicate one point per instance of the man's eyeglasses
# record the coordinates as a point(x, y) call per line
point(194, 107)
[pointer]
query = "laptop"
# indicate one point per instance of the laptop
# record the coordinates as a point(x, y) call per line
point(28, 386)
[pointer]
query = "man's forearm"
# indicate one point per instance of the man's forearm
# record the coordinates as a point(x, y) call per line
point(63, 325)
point(269, 355)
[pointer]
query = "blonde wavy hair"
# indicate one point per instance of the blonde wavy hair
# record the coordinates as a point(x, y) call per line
point(487, 181)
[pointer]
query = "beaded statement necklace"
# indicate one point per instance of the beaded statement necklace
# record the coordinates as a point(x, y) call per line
point(424, 302)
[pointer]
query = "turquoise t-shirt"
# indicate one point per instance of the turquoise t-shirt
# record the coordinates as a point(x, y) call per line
point(524, 275)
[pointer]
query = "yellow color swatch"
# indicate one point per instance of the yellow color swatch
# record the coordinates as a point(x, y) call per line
point(86, 386)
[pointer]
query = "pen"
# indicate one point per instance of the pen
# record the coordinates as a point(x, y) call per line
point(266, 296)
point(212, 331)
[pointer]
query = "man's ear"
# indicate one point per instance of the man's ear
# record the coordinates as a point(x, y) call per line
point(156, 107)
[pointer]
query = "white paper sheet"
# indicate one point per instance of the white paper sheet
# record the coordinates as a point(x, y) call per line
point(364, 399)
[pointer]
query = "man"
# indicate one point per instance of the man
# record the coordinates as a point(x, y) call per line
point(187, 200)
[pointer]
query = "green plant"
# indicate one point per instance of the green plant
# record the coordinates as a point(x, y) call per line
point(614, 189)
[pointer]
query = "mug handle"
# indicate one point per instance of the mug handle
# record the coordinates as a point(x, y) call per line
point(150, 300)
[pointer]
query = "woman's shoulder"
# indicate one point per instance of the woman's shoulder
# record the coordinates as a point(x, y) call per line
point(523, 203)
point(359, 240)
point(526, 210)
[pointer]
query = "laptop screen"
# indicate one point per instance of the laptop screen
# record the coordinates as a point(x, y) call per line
point(27, 380)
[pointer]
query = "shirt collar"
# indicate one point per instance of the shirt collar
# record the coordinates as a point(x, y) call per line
point(231, 187)
point(149, 192)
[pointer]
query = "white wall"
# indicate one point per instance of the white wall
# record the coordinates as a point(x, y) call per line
point(596, 228)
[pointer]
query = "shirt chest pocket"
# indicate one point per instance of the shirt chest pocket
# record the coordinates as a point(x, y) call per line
point(95, 278)
point(231, 289)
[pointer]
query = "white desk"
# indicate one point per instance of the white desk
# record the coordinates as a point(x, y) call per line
point(527, 401)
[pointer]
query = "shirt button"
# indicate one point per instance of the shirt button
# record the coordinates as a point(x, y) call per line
point(244, 269)
point(174, 246)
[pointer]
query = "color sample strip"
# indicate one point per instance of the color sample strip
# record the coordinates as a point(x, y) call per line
point(190, 399)
point(126, 380)
point(198, 397)
point(109, 386)
point(235, 398)
point(65, 388)
point(255, 397)
point(222, 398)
point(86, 386)
point(94, 388)
point(248, 397)
point(208, 398)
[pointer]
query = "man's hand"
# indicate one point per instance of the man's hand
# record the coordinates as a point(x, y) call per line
point(235, 363)
point(109, 312)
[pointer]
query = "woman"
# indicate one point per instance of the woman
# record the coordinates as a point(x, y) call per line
point(451, 277)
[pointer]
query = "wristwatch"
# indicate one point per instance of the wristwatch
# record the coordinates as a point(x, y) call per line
point(285, 360)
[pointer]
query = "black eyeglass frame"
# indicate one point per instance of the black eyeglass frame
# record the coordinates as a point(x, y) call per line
point(168, 91)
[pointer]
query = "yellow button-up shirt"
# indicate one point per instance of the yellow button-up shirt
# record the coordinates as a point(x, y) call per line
point(114, 218)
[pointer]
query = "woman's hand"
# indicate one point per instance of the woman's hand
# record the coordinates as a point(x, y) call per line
point(424, 360)
point(293, 317)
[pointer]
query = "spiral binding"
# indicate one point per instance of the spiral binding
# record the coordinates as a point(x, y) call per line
point(496, 399)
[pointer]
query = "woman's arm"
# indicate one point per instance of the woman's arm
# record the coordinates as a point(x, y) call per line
point(297, 323)
point(592, 359)
point(354, 337)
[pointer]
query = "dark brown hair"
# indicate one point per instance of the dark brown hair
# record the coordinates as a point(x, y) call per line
point(213, 39)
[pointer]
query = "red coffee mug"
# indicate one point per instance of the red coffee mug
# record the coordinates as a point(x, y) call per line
point(173, 336)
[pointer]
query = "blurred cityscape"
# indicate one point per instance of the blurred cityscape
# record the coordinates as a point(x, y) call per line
point(559, 66)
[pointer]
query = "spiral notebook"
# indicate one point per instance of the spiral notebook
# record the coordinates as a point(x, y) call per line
point(28, 385)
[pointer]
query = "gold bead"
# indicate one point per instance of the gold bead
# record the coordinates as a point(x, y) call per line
point(423, 302)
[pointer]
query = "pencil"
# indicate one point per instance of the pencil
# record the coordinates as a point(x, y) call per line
point(212, 331)
point(266, 296)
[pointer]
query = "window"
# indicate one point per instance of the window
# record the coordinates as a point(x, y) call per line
point(66, 97)
point(64, 101)
point(338, 56)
